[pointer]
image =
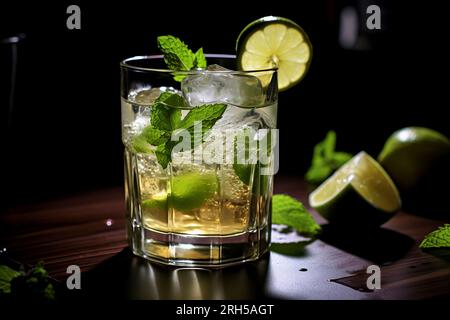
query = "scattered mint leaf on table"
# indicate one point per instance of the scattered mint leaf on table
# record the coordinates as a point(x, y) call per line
point(32, 284)
point(291, 212)
point(439, 238)
point(6, 276)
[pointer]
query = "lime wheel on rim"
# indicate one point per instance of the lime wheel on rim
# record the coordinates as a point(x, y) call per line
point(275, 42)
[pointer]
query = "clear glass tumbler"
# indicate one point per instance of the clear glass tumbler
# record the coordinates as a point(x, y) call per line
point(208, 203)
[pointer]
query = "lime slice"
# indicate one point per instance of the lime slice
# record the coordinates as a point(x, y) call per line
point(275, 42)
point(410, 154)
point(359, 192)
point(189, 191)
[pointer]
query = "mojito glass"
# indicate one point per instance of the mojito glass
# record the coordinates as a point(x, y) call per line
point(208, 204)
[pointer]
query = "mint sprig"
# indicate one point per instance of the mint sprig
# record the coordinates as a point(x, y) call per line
point(179, 57)
point(166, 110)
point(291, 212)
point(31, 284)
point(166, 119)
point(439, 238)
point(325, 159)
point(6, 276)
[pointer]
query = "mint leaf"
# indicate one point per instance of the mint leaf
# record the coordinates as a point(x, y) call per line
point(33, 284)
point(329, 144)
point(165, 111)
point(439, 238)
point(140, 145)
point(325, 159)
point(208, 114)
point(243, 170)
point(164, 154)
point(49, 292)
point(318, 173)
point(176, 53)
point(291, 212)
point(175, 119)
point(154, 136)
point(166, 119)
point(6, 276)
point(179, 57)
point(171, 99)
point(339, 158)
point(200, 60)
point(165, 116)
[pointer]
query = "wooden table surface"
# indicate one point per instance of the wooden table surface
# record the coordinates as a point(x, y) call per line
point(89, 230)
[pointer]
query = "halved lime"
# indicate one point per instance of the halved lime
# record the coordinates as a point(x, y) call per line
point(412, 153)
point(360, 192)
point(189, 191)
point(275, 42)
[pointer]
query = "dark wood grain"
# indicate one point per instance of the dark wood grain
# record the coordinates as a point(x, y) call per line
point(89, 230)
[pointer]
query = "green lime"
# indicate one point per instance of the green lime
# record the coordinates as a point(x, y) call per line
point(189, 191)
point(360, 192)
point(157, 201)
point(411, 153)
point(275, 42)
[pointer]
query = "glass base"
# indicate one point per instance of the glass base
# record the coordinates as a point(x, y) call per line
point(200, 251)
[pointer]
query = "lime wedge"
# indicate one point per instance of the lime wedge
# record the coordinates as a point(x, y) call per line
point(275, 42)
point(410, 154)
point(189, 191)
point(359, 192)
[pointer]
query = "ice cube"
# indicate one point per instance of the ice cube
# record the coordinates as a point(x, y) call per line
point(145, 96)
point(217, 85)
point(216, 67)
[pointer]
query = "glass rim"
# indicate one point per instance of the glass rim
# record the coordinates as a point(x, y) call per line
point(126, 64)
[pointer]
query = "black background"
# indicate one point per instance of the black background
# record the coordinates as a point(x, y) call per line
point(65, 134)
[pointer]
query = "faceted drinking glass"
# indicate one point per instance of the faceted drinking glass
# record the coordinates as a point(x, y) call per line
point(210, 203)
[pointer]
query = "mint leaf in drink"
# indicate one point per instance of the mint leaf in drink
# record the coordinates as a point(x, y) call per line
point(208, 114)
point(6, 276)
point(171, 99)
point(166, 119)
point(179, 57)
point(200, 60)
point(164, 154)
point(175, 119)
point(140, 144)
point(154, 136)
point(325, 159)
point(439, 238)
point(166, 111)
point(243, 148)
point(291, 212)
